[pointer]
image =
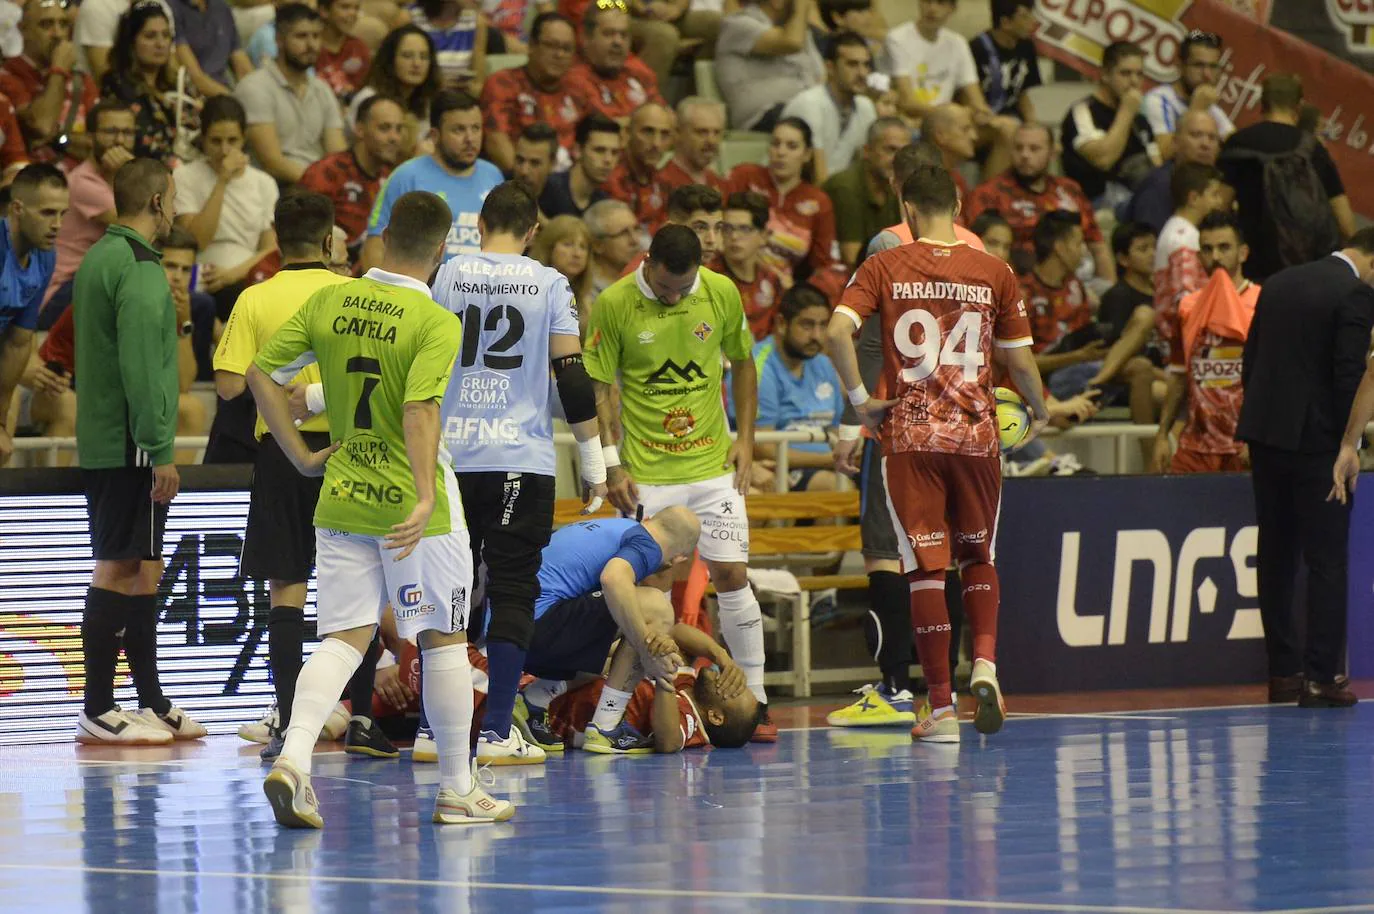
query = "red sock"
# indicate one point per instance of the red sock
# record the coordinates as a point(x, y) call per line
point(981, 597)
point(930, 622)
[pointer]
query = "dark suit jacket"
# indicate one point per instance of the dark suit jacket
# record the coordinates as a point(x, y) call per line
point(1305, 356)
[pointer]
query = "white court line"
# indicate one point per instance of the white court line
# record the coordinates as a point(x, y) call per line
point(1118, 715)
point(650, 892)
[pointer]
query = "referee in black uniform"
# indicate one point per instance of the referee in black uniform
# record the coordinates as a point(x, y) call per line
point(1304, 359)
point(126, 419)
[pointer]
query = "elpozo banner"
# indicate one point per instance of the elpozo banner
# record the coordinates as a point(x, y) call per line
point(1260, 39)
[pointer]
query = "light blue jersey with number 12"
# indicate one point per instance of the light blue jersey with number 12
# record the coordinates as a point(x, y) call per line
point(496, 409)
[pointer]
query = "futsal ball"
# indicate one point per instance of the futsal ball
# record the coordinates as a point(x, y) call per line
point(1013, 419)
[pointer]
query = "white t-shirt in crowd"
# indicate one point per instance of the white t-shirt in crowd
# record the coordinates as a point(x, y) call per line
point(249, 201)
point(839, 140)
point(937, 69)
point(97, 23)
point(1163, 107)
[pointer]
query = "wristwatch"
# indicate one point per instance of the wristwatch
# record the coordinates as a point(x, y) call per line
point(187, 328)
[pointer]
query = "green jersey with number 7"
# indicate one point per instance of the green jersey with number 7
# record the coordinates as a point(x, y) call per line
point(380, 342)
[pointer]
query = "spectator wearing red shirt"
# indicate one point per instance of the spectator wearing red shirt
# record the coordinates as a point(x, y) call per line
point(700, 130)
point(540, 91)
point(1056, 302)
point(635, 179)
point(1028, 191)
point(50, 99)
point(610, 78)
point(344, 60)
point(801, 226)
point(745, 237)
point(658, 29)
point(352, 178)
point(14, 155)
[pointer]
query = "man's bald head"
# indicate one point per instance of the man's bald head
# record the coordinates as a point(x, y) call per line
point(951, 128)
point(676, 530)
point(1197, 139)
point(651, 135)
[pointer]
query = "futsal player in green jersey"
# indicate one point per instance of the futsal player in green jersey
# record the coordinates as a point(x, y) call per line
point(389, 523)
point(661, 332)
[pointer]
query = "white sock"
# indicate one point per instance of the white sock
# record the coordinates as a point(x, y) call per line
point(741, 623)
point(541, 693)
point(317, 692)
point(446, 688)
point(610, 710)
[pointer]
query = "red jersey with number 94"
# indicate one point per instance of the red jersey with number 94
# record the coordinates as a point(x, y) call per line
point(943, 308)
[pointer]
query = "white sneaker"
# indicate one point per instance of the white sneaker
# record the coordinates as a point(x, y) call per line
point(336, 725)
point(176, 722)
point(292, 798)
point(992, 709)
point(261, 731)
point(425, 751)
point(513, 750)
point(475, 807)
point(119, 728)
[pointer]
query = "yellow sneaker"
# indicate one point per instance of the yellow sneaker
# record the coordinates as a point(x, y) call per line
point(936, 728)
point(992, 709)
point(876, 707)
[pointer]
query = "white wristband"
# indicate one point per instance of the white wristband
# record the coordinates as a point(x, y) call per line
point(859, 395)
point(593, 460)
point(609, 455)
point(849, 432)
point(314, 398)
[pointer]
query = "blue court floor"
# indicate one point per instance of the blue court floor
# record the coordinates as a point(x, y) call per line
point(1238, 809)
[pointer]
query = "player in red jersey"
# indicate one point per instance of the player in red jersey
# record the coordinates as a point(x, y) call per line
point(946, 311)
point(1204, 370)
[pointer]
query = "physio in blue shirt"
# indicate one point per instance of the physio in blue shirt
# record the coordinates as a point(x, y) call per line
point(453, 171)
point(38, 201)
point(799, 387)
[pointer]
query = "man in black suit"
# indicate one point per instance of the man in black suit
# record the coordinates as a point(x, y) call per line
point(1304, 359)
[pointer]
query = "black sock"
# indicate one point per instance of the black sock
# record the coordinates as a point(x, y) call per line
point(285, 640)
point(140, 646)
point(100, 626)
point(888, 627)
point(954, 602)
point(360, 686)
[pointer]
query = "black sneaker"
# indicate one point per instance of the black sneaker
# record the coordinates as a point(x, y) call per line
point(273, 748)
point(364, 737)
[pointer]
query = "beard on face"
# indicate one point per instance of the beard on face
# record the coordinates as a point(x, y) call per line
point(455, 162)
point(798, 353)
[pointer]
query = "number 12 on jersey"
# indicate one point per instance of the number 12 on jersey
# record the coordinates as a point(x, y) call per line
point(960, 348)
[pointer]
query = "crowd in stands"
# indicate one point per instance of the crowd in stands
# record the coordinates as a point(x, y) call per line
point(363, 100)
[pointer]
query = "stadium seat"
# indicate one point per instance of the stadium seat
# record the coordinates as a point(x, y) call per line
point(740, 146)
point(705, 74)
point(505, 61)
point(1052, 102)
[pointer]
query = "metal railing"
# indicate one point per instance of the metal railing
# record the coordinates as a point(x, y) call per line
point(1120, 433)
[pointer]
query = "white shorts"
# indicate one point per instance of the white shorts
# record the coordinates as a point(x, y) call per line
point(428, 589)
point(724, 525)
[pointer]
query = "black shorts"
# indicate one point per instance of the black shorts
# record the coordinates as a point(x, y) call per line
point(510, 520)
point(279, 542)
point(125, 521)
point(875, 517)
point(574, 636)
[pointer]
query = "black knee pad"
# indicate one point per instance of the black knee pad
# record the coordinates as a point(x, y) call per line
point(511, 622)
point(285, 615)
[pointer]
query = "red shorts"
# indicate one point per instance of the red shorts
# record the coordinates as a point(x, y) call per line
point(1195, 462)
point(944, 506)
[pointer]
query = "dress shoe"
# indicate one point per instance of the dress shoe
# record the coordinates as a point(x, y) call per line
point(1284, 690)
point(1327, 695)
